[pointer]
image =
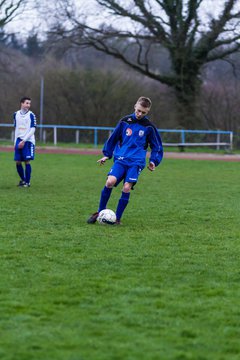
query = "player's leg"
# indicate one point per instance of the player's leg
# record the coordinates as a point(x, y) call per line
point(130, 180)
point(105, 195)
point(28, 171)
point(123, 201)
point(18, 161)
point(28, 155)
point(20, 172)
point(115, 175)
point(106, 192)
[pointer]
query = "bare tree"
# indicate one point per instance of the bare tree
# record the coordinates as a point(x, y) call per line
point(190, 33)
point(9, 9)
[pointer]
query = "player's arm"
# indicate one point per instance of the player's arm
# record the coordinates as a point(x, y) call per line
point(15, 127)
point(112, 141)
point(156, 149)
point(26, 137)
point(151, 166)
point(103, 160)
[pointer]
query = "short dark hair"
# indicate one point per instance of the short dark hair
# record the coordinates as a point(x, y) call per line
point(144, 101)
point(23, 99)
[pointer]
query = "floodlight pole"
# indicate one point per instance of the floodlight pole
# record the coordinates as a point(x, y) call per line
point(41, 107)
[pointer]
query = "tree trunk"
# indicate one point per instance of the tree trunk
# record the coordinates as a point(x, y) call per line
point(187, 92)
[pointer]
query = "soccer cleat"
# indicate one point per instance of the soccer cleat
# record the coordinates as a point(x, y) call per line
point(26, 185)
point(93, 218)
point(21, 183)
point(118, 222)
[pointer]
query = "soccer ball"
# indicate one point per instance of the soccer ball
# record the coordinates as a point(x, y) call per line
point(106, 216)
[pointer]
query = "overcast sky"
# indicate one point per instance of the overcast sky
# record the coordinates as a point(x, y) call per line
point(31, 19)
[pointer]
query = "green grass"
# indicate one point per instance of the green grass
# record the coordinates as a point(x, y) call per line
point(165, 285)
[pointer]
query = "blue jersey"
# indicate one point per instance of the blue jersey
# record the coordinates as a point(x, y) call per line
point(130, 140)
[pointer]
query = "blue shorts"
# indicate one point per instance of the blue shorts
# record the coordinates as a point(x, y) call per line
point(26, 153)
point(125, 173)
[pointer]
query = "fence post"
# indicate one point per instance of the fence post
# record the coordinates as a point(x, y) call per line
point(231, 141)
point(55, 135)
point(182, 140)
point(95, 137)
point(44, 136)
point(183, 136)
point(218, 140)
point(77, 136)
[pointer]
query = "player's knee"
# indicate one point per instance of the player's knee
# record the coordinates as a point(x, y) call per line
point(111, 182)
point(127, 187)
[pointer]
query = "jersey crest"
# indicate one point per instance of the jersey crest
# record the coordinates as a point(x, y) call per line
point(129, 132)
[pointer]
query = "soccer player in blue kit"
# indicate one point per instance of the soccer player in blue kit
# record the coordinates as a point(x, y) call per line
point(24, 142)
point(128, 145)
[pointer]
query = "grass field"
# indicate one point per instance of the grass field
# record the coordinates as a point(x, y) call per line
point(165, 285)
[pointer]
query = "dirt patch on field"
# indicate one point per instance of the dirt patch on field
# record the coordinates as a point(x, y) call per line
point(167, 155)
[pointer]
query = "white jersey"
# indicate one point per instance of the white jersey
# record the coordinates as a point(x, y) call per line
point(25, 125)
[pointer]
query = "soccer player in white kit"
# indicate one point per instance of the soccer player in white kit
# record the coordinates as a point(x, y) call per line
point(24, 142)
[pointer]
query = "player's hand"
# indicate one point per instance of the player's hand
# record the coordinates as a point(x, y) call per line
point(21, 144)
point(103, 160)
point(151, 166)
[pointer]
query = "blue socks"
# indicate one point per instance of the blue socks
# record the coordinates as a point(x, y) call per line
point(105, 195)
point(123, 201)
point(28, 171)
point(20, 171)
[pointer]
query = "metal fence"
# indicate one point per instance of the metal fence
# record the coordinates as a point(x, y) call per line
point(96, 135)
